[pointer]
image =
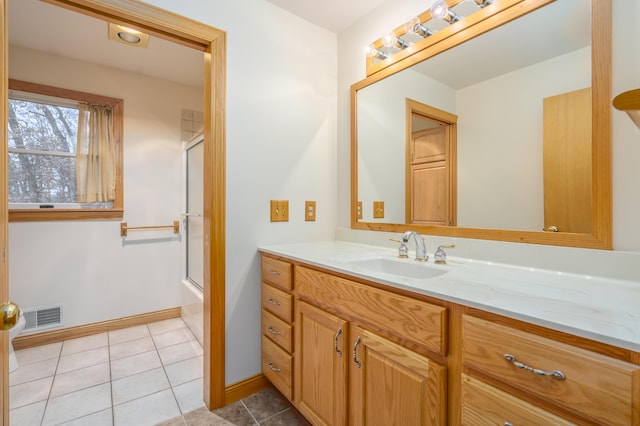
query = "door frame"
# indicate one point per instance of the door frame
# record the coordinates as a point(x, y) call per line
point(211, 41)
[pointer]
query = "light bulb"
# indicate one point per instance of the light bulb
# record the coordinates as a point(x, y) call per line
point(370, 51)
point(412, 25)
point(389, 40)
point(439, 9)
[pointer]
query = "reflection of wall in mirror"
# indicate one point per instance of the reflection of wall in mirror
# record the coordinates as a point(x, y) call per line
point(381, 138)
point(500, 130)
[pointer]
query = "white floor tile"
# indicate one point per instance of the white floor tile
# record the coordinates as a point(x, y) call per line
point(172, 338)
point(148, 410)
point(139, 385)
point(166, 326)
point(30, 392)
point(101, 418)
point(80, 379)
point(184, 371)
point(77, 404)
point(28, 415)
point(132, 347)
point(83, 359)
point(128, 334)
point(180, 352)
point(38, 353)
point(134, 364)
point(189, 396)
point(34, 371)
point(82, 344)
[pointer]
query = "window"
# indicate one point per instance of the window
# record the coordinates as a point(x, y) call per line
point(45, 166)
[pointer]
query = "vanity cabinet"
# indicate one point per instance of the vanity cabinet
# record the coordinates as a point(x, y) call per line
point(582, 383)
point(361, 354)
point(277, 328)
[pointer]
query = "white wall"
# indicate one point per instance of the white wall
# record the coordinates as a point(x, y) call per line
point(281, 144)
point(626, 137)
point(84, 265)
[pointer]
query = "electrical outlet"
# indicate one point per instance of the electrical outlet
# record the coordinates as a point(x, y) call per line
point(310, 211)
point(279, 210)
point(359, 210)
point(378, 209)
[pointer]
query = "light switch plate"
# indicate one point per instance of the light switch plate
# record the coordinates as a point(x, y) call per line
point(378, 209)
point(309, 211)
point(279, 210)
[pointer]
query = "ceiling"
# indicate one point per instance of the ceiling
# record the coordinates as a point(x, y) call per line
point(37, 25)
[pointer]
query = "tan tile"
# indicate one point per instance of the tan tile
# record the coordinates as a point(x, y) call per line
point(139, 385)
point(148, 410)
point(166, 326)
point(38, 353)
point(80, 379)
point(28, 415)
point(180, 352)
point(128, 334)
point(135, 364)
point(30, 392)
point(132, 347)
point(83, 344)
point(189, 395)
point(172, 338)
point(265, 404)
point(184, 371)
point(236, 413)
point(83, 359)
point(77, 404)
point(34, 371)
point(202, 417)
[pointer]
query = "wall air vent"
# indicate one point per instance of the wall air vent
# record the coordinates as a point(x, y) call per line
point(43, 318)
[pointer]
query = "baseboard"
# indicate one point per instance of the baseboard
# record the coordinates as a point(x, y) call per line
point(243, 389)
point(54, 336)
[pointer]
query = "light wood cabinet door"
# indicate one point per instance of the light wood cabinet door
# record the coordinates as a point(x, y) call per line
point(320, 378)
point(430, 194)
point(392, 385)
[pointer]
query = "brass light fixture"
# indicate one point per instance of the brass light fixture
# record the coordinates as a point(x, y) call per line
point(629, 102)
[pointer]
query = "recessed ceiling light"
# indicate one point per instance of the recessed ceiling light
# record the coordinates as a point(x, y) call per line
point(127, 36)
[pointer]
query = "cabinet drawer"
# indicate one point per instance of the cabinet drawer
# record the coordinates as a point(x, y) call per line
point(277, 366)
point(277, 330)
point(391, 314)
point(596, 386)
point(485, 405)
point(276, 272)
point(277, 302)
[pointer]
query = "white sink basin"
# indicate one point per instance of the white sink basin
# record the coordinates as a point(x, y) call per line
point(407, 268)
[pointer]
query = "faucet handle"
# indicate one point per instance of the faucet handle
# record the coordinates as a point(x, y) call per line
point(440, 256)
point(403, 250)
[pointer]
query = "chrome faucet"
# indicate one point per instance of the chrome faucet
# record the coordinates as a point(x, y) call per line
point(421, 250)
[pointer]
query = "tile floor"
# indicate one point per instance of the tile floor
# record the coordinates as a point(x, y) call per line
point(265, 408)
point(141, 375)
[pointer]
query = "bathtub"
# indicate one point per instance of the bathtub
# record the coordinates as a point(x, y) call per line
point(192, 308)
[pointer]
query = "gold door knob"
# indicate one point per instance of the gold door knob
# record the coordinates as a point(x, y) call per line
point(552, 228)
point(10, 312)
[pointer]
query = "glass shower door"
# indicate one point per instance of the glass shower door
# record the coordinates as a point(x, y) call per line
point(194, 230)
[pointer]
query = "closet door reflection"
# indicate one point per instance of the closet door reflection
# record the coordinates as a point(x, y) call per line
point(194, 220)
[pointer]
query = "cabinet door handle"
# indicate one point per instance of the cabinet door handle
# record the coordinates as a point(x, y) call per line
point(355, 353)
point(276, 369)
point(274, 302)
point(556, 374)
point(272, 272)
point(274, 331)
point(508, 424)
point(335, 342)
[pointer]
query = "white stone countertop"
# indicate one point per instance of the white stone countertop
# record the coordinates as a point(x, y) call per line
point(602, 309)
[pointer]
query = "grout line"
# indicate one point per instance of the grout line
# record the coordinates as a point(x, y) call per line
point(249, 411)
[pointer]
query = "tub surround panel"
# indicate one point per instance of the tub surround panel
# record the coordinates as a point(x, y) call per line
point(594, 307)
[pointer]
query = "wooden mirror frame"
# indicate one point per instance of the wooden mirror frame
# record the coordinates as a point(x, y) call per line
point(601, 206)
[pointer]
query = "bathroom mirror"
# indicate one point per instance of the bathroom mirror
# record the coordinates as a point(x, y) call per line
point(503, 102)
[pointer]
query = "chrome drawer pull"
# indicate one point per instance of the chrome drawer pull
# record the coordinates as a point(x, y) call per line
point(274, 331)
point(272, 272)
point(507, 424)
point(276, 369)
point(274, 302)
point(556, 374)
point(355, 353)
point(335, 342)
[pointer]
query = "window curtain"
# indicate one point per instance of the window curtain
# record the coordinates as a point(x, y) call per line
point(95, 154)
